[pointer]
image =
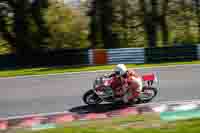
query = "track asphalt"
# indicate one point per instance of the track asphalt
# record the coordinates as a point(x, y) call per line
point(57, 93)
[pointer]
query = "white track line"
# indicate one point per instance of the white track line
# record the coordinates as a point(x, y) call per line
point(173, 102)
point(87, 72)
point(35, 115)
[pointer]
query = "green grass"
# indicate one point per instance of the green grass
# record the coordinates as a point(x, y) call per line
point(131, 124)
point(53, 70)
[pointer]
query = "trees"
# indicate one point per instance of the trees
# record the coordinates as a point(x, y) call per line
point(161, 21)
point(93, 36)
point(25, 30)
point(149, 17)
point(41, 24)
point(101, 14)
point(197, 11)
point(106, 17)
point(120, 22)
point(126, 24)
point(32, 25)
point(68, 27)
point(5, 23)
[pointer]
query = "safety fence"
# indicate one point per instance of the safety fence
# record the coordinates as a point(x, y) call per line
point(198, 51)
point(144, 55)
point(170, 54)
point(125, 55)
point(102, 56)
point(115, 56)
point(46, 58)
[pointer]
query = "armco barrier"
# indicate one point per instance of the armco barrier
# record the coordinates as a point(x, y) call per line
point(55, 58)
point(198, 51)
point(97, 56)
point(102, 56)
point(126, 56)
point(170, 54)
point(90, 57)
point(46, 58)
point(145, 55)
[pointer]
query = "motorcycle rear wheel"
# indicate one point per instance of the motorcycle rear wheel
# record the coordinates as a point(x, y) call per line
point(148, 99)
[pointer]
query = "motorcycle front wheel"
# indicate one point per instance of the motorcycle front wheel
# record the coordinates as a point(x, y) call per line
point(91, 98)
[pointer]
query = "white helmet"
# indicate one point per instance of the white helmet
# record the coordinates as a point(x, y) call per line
point(120, 69)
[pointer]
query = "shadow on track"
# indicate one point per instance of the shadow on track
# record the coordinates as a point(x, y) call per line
point(101, 108)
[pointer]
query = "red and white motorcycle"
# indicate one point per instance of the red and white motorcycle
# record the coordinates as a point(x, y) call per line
point(102, 92)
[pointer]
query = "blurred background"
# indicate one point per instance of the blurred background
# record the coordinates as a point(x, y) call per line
point(56, 28)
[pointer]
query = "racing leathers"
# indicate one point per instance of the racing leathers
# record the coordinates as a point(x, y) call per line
point(127, 87)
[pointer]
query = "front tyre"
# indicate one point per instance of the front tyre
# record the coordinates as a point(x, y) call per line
point(91, 98)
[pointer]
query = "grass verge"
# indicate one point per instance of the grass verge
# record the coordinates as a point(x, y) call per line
point(131, 124)
point(53, 70)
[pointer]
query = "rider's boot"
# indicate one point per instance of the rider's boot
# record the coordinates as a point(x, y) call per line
point(130, 97)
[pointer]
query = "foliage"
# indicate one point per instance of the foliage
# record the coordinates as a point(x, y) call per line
point(22, 25)
point(151, 22)
point(36, 25)
point(67, 25)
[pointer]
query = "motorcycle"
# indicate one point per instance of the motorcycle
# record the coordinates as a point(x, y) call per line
point(102, 92)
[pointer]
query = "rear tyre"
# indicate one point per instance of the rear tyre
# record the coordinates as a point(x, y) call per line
point(148, 97)
point(91, 98)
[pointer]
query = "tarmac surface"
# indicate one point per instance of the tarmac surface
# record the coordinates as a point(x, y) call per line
point(63, 92)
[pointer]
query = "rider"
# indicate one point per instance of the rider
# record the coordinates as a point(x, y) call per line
point(126, 84)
